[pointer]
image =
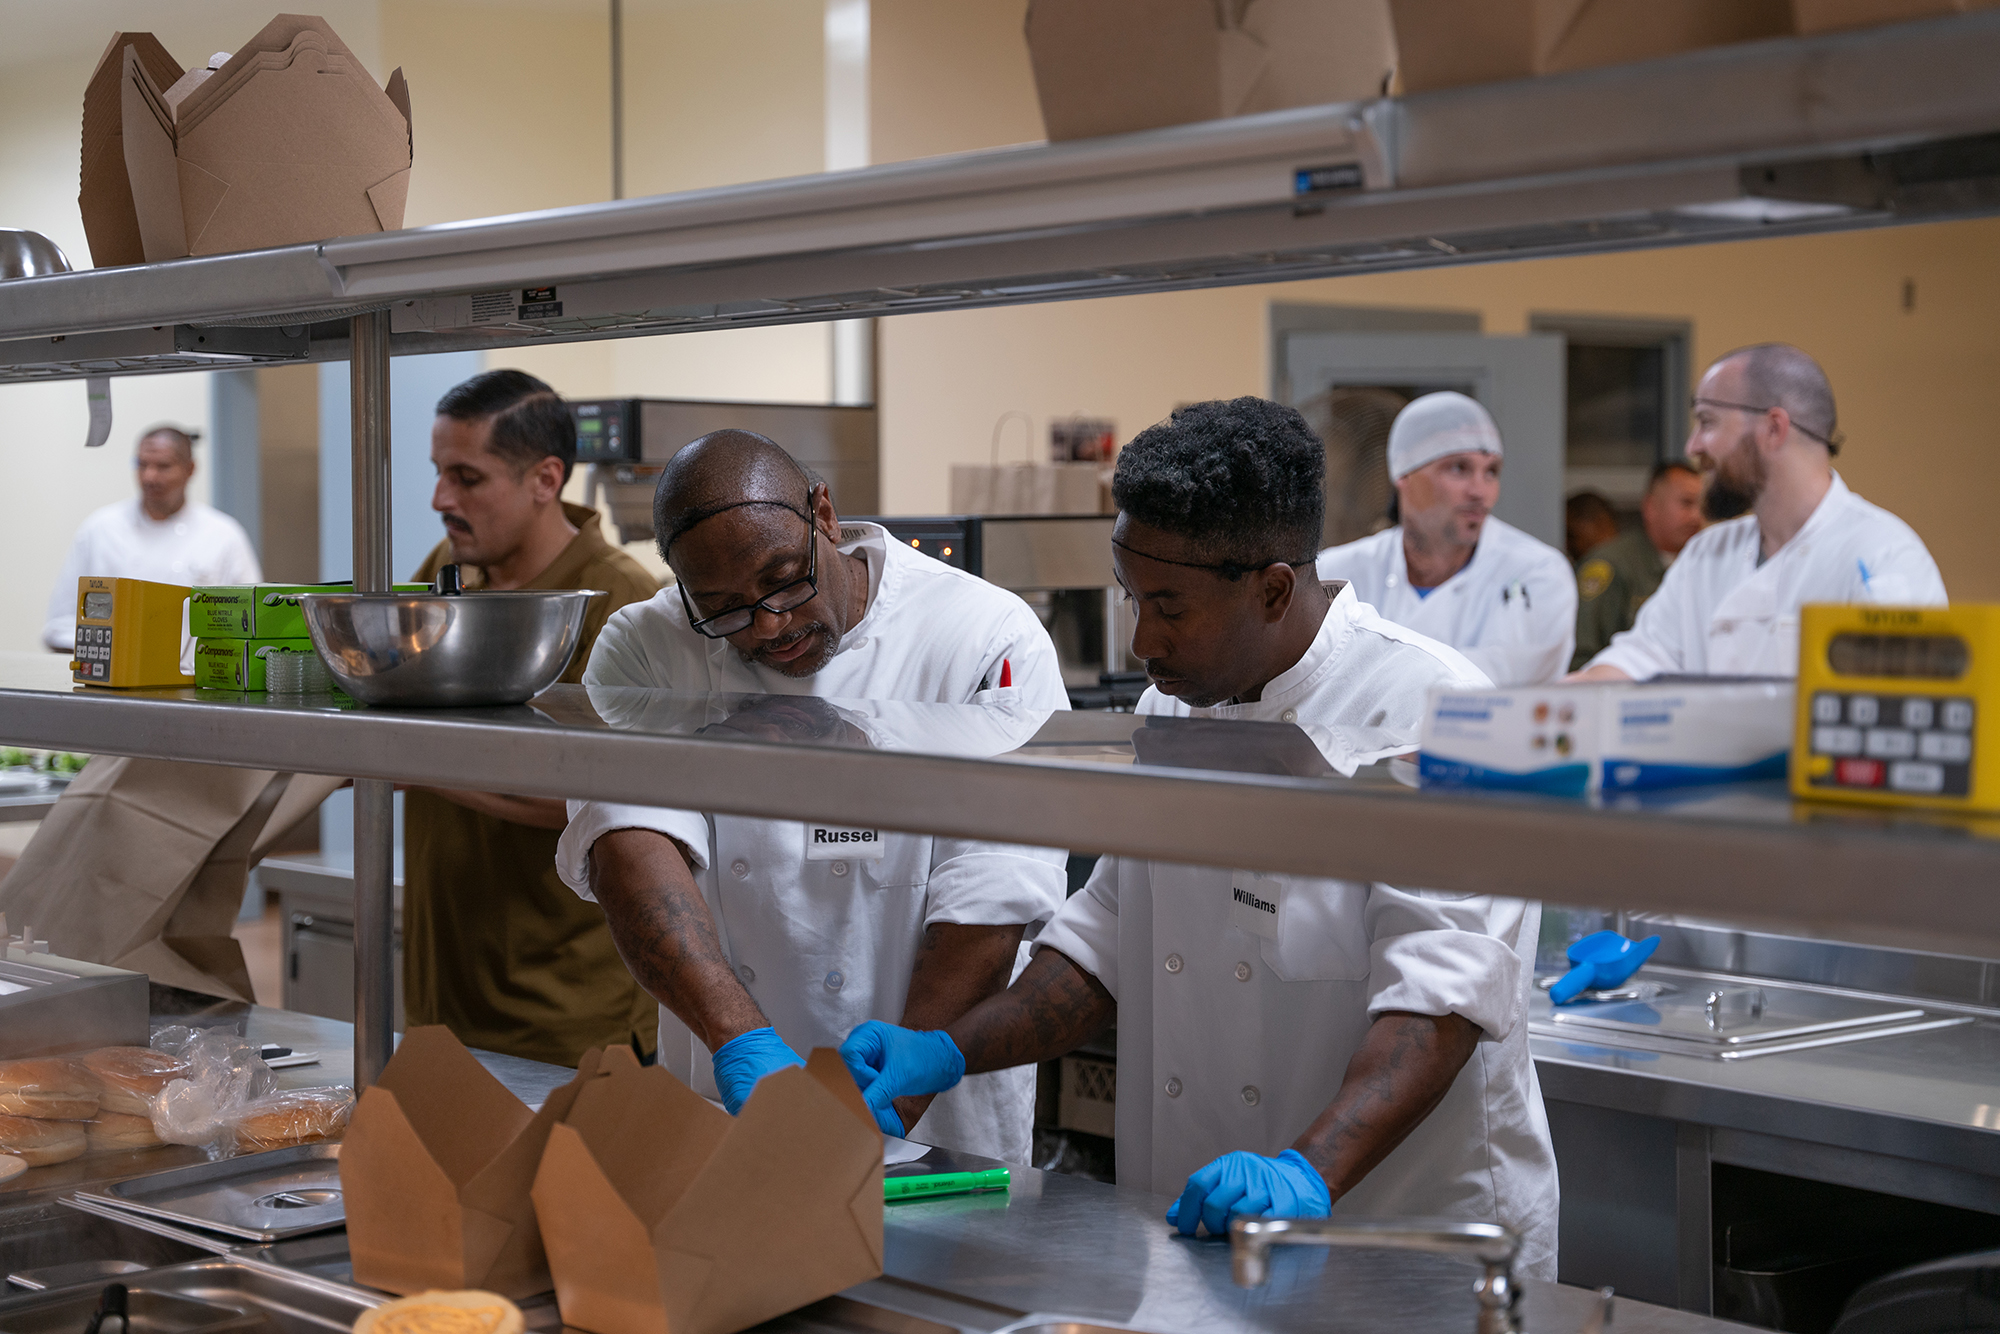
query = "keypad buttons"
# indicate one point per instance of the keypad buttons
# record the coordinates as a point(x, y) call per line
point(1826, 708)
point(1917, 713)
point(1958, 715)
point(1863, 711)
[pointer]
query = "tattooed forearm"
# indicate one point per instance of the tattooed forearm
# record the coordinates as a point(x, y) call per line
point(956, 967)
point(1054, 1007)
point(665, 935)
point(1403, 1069)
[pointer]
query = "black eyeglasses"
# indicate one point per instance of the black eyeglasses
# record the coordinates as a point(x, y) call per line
point(1229, 570)
point(1832, 442)
point(784, 598)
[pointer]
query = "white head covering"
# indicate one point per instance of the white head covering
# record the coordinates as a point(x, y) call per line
point(1436, 425)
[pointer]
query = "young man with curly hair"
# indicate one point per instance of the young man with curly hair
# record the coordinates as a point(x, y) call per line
point(1287, 1045)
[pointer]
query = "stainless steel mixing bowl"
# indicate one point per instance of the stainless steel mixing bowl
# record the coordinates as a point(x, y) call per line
point(428, 650)
point(29, 255)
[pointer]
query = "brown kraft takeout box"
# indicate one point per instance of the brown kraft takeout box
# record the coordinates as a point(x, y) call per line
point(1114, 66)
point(664, 1215)
point(288, 141)
point(436, 1169)
point(1451, 43)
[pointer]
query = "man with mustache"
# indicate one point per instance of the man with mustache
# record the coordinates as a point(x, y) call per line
point(764, 938)
point(494, 946)
point(1449, 569)
point(1789, 532)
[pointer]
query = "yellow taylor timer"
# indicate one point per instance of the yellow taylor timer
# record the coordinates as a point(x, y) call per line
point(128, 633)
point(1899, 706)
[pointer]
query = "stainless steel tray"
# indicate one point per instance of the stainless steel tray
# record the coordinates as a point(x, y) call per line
point(258, 1197)
point(1735, 1014)
point(199, 1297)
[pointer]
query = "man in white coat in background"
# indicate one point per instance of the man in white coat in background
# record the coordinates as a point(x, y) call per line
point(764, 938)
point(1790, 532)
point(1286, 1045)
point(1448, 568)
point(158, 535)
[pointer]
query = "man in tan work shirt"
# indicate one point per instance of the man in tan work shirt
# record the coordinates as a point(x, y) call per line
point(495, 947)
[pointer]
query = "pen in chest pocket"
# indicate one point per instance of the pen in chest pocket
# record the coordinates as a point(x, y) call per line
point(1006, 676)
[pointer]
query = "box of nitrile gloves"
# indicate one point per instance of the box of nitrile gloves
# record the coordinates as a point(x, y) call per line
point(259, 611)
point(1607, 736)
point(238, 664)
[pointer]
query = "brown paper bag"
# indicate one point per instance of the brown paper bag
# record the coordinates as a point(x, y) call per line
point(436, 1169)
point(663, 1214)
point(142, 865)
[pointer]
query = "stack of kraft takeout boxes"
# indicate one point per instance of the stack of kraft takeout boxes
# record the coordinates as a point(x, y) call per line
point(286, 140)
point(644, 1207)
point(237, 627)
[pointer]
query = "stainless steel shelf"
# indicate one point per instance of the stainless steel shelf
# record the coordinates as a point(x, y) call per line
point(1747, 854)
point(1847, 130)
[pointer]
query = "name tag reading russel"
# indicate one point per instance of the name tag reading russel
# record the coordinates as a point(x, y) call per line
point(1253, 904)
point(833, 843)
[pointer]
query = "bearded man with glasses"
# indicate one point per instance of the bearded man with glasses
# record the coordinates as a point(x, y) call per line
point(764, 938)
point(1788, 532)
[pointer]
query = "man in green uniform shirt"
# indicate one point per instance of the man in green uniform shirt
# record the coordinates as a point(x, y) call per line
point(1617, 576)
point(495, 947)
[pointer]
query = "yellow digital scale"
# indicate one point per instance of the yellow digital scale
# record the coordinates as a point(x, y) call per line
point(1899, 706)
point(130, 633)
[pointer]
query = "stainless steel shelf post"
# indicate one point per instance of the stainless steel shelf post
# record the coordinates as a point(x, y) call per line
point(374, 798)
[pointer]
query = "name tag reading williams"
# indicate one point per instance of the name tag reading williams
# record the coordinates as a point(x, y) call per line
point(833, 843)
point(1253, 904)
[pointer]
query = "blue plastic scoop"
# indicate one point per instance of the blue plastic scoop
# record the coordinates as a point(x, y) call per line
point(1602, 959)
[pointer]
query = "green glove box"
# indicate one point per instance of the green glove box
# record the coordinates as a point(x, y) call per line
point(259, 611)
point(236, 664)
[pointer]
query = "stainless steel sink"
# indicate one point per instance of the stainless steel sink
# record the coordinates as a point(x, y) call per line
point(216, 1296)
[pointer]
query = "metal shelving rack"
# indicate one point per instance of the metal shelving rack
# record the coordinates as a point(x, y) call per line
point(1784, 137)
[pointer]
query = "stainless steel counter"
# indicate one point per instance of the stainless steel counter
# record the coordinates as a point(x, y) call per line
point(1064, 1245)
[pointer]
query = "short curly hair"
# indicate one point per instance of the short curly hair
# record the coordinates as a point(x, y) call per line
point(1243, 480)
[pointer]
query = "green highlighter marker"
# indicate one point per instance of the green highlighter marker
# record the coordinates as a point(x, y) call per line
point(942, 1183)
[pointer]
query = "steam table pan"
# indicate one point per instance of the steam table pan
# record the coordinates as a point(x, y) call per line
point(259, 1197)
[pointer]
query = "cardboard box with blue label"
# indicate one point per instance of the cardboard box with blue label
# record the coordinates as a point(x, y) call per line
point(239, 664)
point(1568, 740)
point(259, 611)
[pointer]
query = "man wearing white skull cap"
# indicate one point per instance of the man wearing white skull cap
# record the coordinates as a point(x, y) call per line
point(1451, 570)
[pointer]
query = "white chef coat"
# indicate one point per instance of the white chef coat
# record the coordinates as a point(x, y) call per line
point(824, 945)
point(1720, 612)
point(1511, 608)
point(195, 545)
point(1237, 1037)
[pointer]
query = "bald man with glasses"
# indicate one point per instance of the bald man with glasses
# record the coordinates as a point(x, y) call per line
point(1787, 532)
point(764, 938)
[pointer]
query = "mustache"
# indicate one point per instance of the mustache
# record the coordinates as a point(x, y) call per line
point(454, 524)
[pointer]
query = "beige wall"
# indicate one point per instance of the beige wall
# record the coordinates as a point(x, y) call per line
point(1913, 386)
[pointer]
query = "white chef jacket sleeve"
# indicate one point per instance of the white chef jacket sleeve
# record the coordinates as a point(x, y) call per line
point(239, 560)
point(1653, 644)
point(618, 659)
point(993, 884)
point(1431, 953)
point(59, 631)
point(1085, 929)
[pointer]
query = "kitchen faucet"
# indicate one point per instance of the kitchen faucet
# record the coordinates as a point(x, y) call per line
point(1487, 1244)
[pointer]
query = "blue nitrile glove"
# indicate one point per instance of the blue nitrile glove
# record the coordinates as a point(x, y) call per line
point(890, 1063)
point(1249, 1184)
point(747, 1058)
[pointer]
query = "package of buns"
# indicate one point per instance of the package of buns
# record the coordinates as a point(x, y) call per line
point(295, 1116)
point(51, 1088)
point(467, 1312)
point(114, 1132)
point(39, 1143)
point(131, 1077)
